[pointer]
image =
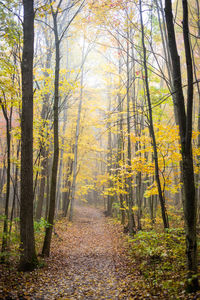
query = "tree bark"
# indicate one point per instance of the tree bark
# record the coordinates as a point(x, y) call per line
point(197, 176)
point(44, 151)
point(50, 220)
point(109, 159)
point(59, 194)
point(28, 259)
point(120, 146)
point(131, 218)
point(15, 191)
point(75, 162)
point(8, 139)
point(66, 195)
point(119, 157)
point(151, 129)
point(185, 132)
point(42, 185)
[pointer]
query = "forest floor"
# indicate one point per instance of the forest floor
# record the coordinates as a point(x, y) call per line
point(89, 260)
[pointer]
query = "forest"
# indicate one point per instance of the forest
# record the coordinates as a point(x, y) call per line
point(99, 149)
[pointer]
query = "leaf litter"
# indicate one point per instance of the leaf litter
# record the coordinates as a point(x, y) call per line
point(89, 260)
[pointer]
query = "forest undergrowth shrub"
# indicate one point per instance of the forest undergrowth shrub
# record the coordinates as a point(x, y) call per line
point(13, 239)
point(13, 250)
point(161, 258)
point(39, 228)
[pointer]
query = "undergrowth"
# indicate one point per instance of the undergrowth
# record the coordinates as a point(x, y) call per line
point(161, 259)
point(13, 238)
point(160, 256)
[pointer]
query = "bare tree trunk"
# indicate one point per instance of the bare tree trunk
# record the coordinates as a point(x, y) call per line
point(44, 151)
point(42, 185)
point(151, 129)
point(166, 50)
point(66, 195)
point(109, 158)
point(28, 259)
point(75, 162)
point(8, 139)
point(47, 191)
point(197, 176)
point(120, 146)
point(3, 171)
point(61, 162)
point(120, 149)
point(49, 229)
point(185, 132)
point(131, 219)
point(138, 189)
point(15, 191)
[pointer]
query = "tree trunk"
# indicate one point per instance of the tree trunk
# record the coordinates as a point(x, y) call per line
point(197, 176)
point(42, 185)
point(138, 189)
point(61, 162)
point(66, 195)
point(28, 259)
point(47, 192)
point(120, 145)
point(109, 160)
point(185, 132)
point(120, 149)
point(3, 171)
point(76, 140)
point(151, 129)
point(166, 50)
point(15, 191)
point(131, 219)
point(49, 229)
point(5, 226)
point(44, 151)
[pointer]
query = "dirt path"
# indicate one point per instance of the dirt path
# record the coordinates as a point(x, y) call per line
point(91, 268)
point(87, 262)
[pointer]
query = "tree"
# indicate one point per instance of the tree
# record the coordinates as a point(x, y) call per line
point(44, 116)
point(109, 156)
point(28, 259)
point(48, 233)
point(59, 33)
point(184, 115)
point(8, 117)
point(75, 161)
point(151, 128)
point(131, 218)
